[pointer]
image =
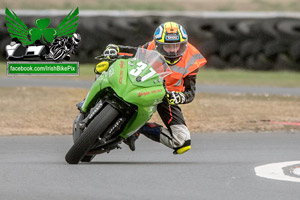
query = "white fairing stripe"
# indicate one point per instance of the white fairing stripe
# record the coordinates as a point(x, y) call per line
point(159, 35)
point(184, 35)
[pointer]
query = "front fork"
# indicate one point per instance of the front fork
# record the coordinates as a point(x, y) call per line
point(125, 109)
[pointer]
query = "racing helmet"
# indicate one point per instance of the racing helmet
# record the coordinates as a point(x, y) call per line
point(171, 41)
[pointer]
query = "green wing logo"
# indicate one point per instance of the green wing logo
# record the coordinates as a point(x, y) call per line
point(17, 28)
point(69, 25)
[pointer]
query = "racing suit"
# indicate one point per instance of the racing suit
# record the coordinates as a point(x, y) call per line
point(183, 79)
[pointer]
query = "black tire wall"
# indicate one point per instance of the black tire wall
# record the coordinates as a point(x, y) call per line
point(250, 43)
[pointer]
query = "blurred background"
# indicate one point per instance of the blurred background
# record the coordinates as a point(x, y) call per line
point(248, 34)
point(250, 45)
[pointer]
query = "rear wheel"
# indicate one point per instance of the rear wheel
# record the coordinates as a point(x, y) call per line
point(90, 135)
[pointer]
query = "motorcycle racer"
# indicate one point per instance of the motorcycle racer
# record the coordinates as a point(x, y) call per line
point(171, 41)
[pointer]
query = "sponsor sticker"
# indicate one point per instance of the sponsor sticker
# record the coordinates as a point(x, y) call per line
point(173, 37)
point(45, 68)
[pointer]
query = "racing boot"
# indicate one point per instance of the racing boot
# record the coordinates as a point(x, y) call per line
point(150, 130)
point(184, 148)
point(177, 137)
point(130, 141)
point(159, 134)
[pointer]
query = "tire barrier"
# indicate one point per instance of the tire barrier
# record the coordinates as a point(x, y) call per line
point(246, 41)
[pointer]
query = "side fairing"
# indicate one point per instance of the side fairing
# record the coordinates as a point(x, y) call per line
point(133, 82)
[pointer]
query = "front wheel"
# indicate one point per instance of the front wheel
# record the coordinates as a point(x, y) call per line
point(90, 135)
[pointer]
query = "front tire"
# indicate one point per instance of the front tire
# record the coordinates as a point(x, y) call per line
point(87, 158)
point(88, 138)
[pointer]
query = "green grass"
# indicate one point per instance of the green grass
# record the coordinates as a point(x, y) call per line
point(86, 72)
point(2, 69)
point(213, 76)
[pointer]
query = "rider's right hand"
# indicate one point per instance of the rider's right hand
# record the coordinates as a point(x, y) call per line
point(111, 51)
point(175, 98)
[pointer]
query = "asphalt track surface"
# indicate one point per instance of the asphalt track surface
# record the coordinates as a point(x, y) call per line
point(221, 89)
point(219, 166)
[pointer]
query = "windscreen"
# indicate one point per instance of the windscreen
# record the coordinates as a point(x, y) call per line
point(155, 60)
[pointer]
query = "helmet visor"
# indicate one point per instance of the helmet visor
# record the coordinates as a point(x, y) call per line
point(171, 50)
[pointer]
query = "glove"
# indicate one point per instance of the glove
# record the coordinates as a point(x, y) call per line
point(111, 51)
point(175, 98)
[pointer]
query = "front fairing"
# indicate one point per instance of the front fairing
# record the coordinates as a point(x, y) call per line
point(133, 87)
point(136, 82)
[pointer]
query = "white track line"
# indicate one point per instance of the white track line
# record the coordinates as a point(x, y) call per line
point(296, 171)
point(275, 171)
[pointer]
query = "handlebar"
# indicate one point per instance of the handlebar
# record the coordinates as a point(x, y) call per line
point(127, 47)
point(102, 57)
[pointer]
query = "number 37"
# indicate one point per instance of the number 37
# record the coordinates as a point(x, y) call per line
point(141, 66)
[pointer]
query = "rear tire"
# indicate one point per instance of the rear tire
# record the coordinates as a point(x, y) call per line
point(88, 138)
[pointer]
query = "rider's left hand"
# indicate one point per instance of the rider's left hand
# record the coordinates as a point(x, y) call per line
point(111, 51)
point(175, 98)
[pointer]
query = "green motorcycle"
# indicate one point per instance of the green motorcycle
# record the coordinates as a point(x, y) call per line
point(119, 102)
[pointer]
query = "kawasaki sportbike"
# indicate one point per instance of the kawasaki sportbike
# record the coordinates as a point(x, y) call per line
point(119, 102)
